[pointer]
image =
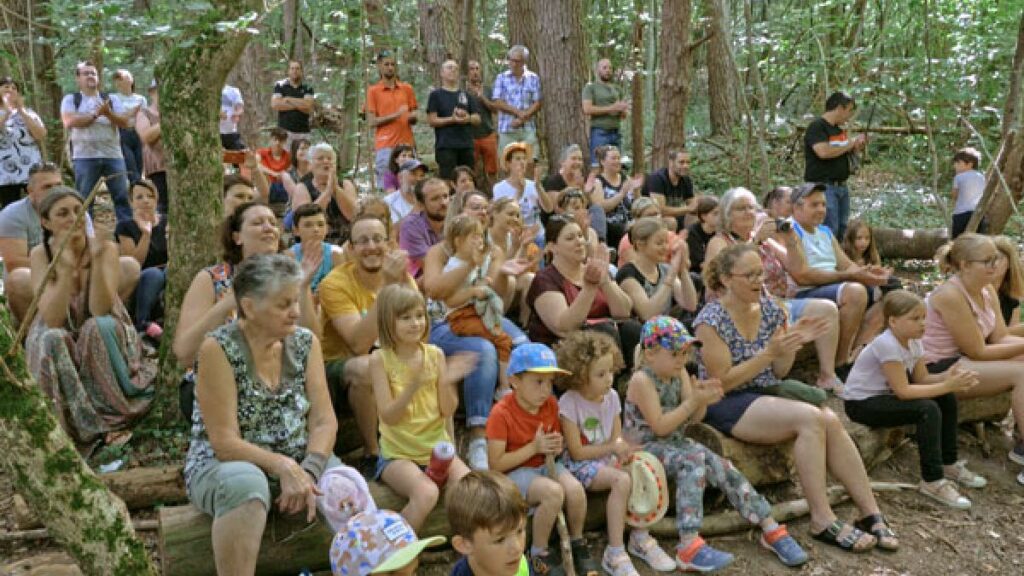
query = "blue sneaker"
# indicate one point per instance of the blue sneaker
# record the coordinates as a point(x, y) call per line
point(785, 546)
point(699, 557)
point(1017, 454)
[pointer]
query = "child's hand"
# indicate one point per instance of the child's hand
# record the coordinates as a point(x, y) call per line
point(460, 365)
point(708, 391)
point(961, 380)
point(622, 449)
point(547, 443)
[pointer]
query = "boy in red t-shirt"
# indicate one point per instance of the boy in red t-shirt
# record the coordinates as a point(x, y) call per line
point(274, 161)
point(522, 429)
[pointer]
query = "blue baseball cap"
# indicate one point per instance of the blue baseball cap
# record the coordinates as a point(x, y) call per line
point(534, 357)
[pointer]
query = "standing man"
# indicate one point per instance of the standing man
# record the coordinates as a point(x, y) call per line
point(391, 109)
point(231, 108)
point(603, 103)
point(827, 150)
point(95, 141)
point(485, 139)
point(672, 188)
point(517, 97)
point(293, 102)
point(452, 113)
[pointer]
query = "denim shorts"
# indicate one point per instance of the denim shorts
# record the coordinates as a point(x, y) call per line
point(523, 476)
point(724, 414)
point(383, 463)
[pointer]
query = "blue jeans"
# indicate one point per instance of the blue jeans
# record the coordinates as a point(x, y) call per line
point(147, 295)
point(479, 384)
point(599, 222)
point(131, 149)
point(837, 199)
point(89, 170)
point(602, 137)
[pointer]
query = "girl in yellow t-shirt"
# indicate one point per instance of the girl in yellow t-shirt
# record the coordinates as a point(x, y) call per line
point(416, 396)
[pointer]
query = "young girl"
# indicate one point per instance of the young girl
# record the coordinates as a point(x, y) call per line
point(310, 229)
point(589, 413)
point(890, 386)
point(475, 309)
point(416, 396)
point(859, 245)
point(660, 400)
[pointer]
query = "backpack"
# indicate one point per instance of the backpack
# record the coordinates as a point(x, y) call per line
point(76, 99)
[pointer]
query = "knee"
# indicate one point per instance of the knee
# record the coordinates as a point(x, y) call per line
point(573, 489)
point(830, 419)
point(929, 410)
point(152, 276)
point(550, 493)
point(426, 494)
point(130, 269)
point(622, 484)
point(241, 483)
point(854, 294)
point(821, 308)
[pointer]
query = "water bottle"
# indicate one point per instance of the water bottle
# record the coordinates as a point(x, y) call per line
point(440, 461)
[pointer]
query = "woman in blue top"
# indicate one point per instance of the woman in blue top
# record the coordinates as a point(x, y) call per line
point(310, 229)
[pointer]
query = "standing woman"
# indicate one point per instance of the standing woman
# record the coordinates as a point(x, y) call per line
point(337, 199)
point(82, 347)
point(21, 131)
point(127, 103)
point(615, 193)
point(147, 126)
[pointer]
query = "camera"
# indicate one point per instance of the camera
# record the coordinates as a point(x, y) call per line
point(783, 225)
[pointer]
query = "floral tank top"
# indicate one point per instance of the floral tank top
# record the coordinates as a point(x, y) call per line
point(670, 397)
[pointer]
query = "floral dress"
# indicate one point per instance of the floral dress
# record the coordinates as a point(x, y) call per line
point(717, 317)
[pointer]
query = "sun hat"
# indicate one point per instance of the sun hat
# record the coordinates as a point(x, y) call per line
point(344, 494)
point(666, 332)
point(376, 542)
point(515, 147)
point(648, 499)
point(534, 357)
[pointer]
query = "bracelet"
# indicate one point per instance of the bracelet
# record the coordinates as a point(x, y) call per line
point(314, 464)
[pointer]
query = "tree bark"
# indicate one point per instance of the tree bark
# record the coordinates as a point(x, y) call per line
point(722, 78)
point(438, 34)
point(78, 510)
point(522, 28)
point(32, 32)
point(908, 243)
point(674, 79)
point(562, 63)
point(636, 117)
point(254, 75)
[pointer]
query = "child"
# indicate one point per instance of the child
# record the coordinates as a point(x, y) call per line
point(968, 187)
point(310, 228)
point(144, 238)
point(859, 245)
point(275, 161)
point(660, 400)
point(378, 542)
point(522, 429)
point(475, 309)
point(416, 396)
point(890, 386)
point(589, 413)
point(488, 523)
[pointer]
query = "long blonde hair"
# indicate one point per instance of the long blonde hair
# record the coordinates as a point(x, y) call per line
point(1013, 280)
point(393, 301)
point(952, 256)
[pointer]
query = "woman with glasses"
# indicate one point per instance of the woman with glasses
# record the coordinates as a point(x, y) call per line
point(964, 326)
point(338, 198)
point(615, 193)
point(21, 131)
point(749, 345)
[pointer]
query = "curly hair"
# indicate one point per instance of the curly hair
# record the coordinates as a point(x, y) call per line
point(577, 352)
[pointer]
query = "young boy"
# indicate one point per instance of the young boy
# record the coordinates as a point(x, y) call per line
point(274, 161)
point(523, 428)
point(309, 225)
point(968, 186)
point(487, 516)
point(378, 542)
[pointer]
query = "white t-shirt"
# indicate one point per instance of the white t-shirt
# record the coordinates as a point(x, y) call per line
point(596, 420)
point(529, 204)
point(400, 207)
point(98, 140)
point(123, 104)
point(866, 379)
point(230, 101)
point(970, 185)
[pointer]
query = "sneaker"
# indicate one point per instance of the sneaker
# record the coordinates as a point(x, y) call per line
point(784, 546)
point(965, 477)
point(581, 560)
point(617, 564)
point(547, 565)
point(1020, 478)
point(645, 547)
point(699, 557)
point(154, 331)
point(1017, 454)
point(476, 454)
point(944, 491)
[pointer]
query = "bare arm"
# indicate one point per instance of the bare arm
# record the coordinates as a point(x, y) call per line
point(137, 251)
point(644, 395)
point(573, 442)
point(391, 409)
point(826, 151)
point(103, 276)
point(148, 132)
point(719, 362)
point(56, 296)
point(15, 253)
point(35, 127)
point(345, 196)
point(438, 284)
point(955, 312)
point(200, 313)
point(561, 318)
point(896, 376)
point(321, 422)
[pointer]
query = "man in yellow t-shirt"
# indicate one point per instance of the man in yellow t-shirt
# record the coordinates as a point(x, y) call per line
point(348, 313)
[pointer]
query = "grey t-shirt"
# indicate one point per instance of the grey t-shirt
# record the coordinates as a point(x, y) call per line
point(970, 185)
point(98, 140)
point(20, 220)
point(866, 379)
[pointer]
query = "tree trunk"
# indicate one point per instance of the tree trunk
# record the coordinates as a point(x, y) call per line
point(78, 510)
point(562, 63)
point(636, 117)
point(909, 244)
point(438, 35)
point(522, 28)
point(254, 76)
point(32, 33)
point(674, 78)
point(294, 35)
point(722, 80)
point(1013, 97)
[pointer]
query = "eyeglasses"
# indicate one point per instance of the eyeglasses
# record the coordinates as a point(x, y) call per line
point(989, 262)
point(752, 277)
point(367, 240)
point(743, 208)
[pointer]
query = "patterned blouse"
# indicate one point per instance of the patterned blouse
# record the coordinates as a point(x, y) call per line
point(271, 419)
point(717, 317)
point(18, 149)
point(669, 396)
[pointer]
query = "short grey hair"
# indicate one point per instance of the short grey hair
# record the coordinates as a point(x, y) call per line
point(322, 147)
point(569, 151)
point(263, 275)
point(521, 50)
point(728, 199)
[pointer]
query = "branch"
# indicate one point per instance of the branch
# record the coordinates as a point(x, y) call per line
point(696, 43)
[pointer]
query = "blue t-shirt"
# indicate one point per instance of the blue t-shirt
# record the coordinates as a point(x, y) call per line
point(970, 185)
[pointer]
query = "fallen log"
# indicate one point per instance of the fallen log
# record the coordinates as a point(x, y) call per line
point(45, 564)
point(983, 409)
point(909, 243)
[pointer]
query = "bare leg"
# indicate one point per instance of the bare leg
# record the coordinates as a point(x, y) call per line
point(406, 478)
point(548, 496)
point(827, 344)
point(236, 539)
point(575, 504)
point(845, 463)
point(870, 327)
point(130, 271)
point(999, 376)
point(360, 398)
point(18, 286)
point(619, 483)
point(852, 303)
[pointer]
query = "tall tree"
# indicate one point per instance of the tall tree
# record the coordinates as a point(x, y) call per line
point(562, 63)
point(522, 27)
point(674, 79)
point(254, 75)
point(32, 32)
point(439, 34)
point(722, 80)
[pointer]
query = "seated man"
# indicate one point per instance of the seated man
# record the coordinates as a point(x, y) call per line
point(20, 232)
point(818, 268)
point(348, 312)
point(424, 228)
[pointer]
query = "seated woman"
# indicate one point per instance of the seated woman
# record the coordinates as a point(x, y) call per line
point(399, 155)
point(570, 175)
point(1009, 283)
point(528, 194)
point(262, 411)
point(651, 284)
point(310, 249)
point(299, 153)
point(322, 187)
point(738, 223)
point(980, 341)
point(575, 292)
point(750, 347)
point(465, 182)
point(573, 203)
point(516, 243)
point(82, 348)
point(238, 190)
point(144, 238)
point(615, 193)
point(644, 207)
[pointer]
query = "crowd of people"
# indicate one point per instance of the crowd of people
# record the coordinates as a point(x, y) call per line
point(522, 298)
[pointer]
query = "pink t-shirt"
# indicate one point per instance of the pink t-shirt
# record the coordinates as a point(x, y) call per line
point(938, 339)
point(596, 420)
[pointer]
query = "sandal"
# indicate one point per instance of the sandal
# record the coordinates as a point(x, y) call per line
point(876, 525)
point(833, 535)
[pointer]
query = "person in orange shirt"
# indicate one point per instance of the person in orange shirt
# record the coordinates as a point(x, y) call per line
point(391, 109)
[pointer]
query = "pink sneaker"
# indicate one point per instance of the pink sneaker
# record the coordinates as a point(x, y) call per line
point(154, 331)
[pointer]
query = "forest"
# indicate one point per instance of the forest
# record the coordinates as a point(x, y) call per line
point(734, 82)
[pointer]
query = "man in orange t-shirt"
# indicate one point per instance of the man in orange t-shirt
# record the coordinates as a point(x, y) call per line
point(391, 109)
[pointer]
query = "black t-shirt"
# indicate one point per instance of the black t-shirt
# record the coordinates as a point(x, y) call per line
point(1007, 304)
point(486, 125)
point(555, 183)
point(697, 240)
point(293, 120)
point(157, 255)
point(677, 194)
point(834, 169)
point(443, 103)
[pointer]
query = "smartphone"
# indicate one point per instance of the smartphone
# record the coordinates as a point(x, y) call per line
point(236, 157)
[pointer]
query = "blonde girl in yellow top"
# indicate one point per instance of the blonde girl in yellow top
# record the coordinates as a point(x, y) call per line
point(416, 396)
